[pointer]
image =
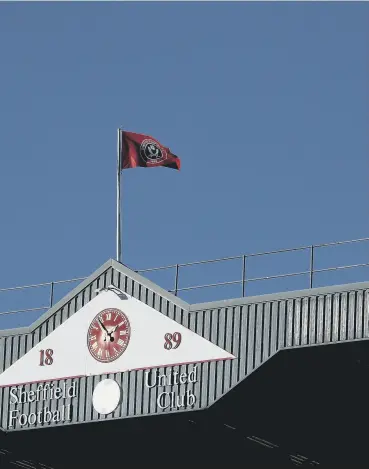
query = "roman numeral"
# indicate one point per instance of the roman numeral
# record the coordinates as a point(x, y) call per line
point(120, 342)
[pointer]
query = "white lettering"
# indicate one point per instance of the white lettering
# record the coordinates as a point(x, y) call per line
point(12, 417)
point(56, 416)
point(192, 375)
point(153, 378)
point(161, 401)
point(172, 400)
point(183, 378)
point(190, 398)
point(58, 392)
point(39, 419)
point(13, 395)
point(72, 388)
point(43, 392)
point(47, 415)
point(38, 392)
point(68, 412)
point(162, 380)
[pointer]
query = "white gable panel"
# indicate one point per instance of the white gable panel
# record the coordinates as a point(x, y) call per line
point(154, 341)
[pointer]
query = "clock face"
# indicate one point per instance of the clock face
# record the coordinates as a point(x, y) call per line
point(108, 335)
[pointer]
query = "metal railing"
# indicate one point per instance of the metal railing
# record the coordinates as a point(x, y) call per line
point(243, 282)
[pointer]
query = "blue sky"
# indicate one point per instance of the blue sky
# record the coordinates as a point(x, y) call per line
point(265, 103)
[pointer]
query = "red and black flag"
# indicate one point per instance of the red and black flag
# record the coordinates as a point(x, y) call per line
point(145, 151)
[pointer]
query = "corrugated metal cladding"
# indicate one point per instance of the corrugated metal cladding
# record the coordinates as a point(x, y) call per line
point(253, 332)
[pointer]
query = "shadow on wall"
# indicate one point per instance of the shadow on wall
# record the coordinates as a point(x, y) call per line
point(311, 401)
point(307, 403)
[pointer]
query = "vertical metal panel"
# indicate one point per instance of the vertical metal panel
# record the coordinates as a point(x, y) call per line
point(235, 345)
point(343, 317)
point(351, 315)
point(289, 323)
point(213, 365)
point(195, 324)
point(320, 320)
point(259, 334)
point(297, 322)
point(251, 339)
point(305, 321)
point(274, 328)
point(266, 332)
point(242, 355)
point(230, 320)
point(205, 367)
point(366, 314)
point(359, 315)
point(336, 317)
point(220, 341)
point(281, 326)
point(328, 318)
point(312, 322)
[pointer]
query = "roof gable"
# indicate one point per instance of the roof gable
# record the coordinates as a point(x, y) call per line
point(110, 273)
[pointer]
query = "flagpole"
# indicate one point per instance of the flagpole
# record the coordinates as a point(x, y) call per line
point(119, 218)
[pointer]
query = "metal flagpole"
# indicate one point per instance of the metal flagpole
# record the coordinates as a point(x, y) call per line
point(119, 220)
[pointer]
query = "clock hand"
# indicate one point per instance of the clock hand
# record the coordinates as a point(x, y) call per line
point(110, 332)
point(102, 326)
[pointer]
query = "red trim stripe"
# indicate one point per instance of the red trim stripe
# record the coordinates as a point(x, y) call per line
point(115, 372)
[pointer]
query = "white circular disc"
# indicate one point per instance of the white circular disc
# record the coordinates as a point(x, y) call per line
point(106, 396)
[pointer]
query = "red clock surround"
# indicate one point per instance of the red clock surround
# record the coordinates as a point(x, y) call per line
point(108, 335)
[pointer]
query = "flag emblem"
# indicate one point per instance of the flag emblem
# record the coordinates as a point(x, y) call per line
point(151, 152)
point(139, 150)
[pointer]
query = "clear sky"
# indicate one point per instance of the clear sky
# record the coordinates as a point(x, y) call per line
point(265, 103)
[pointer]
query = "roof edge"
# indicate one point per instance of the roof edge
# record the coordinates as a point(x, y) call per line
point(81, 286)
point(47, 314)
point(279, 296)
point(188, 308)
point(150, 285)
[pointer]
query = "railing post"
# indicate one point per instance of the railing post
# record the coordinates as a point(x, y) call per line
point(51, 293)
point(311, 265)
point(243, 275)
point(176, 280)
